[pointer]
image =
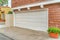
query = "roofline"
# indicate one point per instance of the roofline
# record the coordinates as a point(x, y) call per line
point(37, 4)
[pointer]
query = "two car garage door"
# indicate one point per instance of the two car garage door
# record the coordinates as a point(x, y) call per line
point(35, 20)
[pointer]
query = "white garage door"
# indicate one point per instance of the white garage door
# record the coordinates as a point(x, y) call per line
point(35, 20)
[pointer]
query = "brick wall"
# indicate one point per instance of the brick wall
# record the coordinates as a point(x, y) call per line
point(35, 8)
point(16, 3)
point(54, 14)
point(54, 11)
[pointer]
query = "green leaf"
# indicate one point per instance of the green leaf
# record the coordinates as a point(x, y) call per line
point(53, 30)
point(2, 2)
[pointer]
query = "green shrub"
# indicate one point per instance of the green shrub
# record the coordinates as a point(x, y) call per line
point(53, 30)
point(10, 12)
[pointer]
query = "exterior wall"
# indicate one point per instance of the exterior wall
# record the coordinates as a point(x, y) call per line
point(54, 10)
point(54, 14)
point(35, 8)
point(9, 20)
point(5, 9)
point(16, 3)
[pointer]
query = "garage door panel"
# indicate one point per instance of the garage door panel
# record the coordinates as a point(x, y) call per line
point(35, 25)
point(32, 21)
point(36, 20)
point(38, 15)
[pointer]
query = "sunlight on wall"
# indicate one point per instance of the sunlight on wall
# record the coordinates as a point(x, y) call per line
point(5, 9)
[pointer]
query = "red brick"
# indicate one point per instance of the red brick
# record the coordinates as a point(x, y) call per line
point(16, 3)
point(54, 14)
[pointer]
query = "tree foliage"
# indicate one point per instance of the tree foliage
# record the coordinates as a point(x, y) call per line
point(2, 2)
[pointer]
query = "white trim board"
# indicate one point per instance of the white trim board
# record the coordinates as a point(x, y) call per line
point(36, 4)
